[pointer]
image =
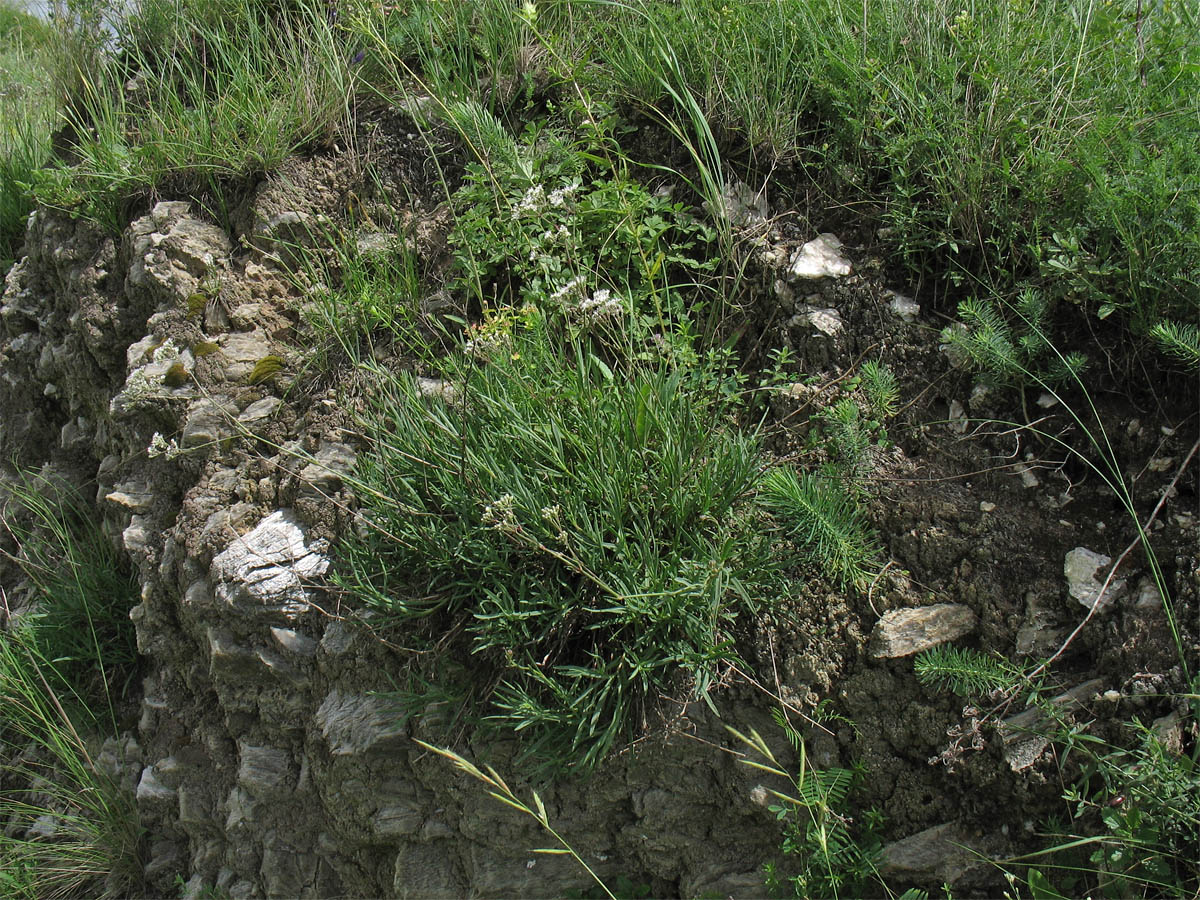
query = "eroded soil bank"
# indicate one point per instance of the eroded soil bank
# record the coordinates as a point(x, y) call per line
point(170, 375)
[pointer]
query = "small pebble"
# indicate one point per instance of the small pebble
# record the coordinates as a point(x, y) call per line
point(986, 506)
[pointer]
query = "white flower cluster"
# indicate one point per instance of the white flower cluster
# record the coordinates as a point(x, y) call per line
point(165, 350)
point(571, 292)
point(500, 515)
point(559, 196)
point(602, 305)
point(536, 199)
point(160, 446)
point(532, 202)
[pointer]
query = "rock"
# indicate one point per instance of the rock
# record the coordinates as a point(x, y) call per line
point(207, 423)
point(958, 418)
point(259, 411)
point(287, 870)
point(1025, 472)
point(1085, 571)
point(1169, 732)
point(820, 258)
point(426, 871)
point(1023, 745)
point(903, 632)
point(152, 792)
point(1148, 595)
point(135, 496)
point(294, 642)
point(331, 463)
point(430, 388)
point(397, 820)
point(942, 854)
point(743, 206)
point(172, 253)
point(1039, 635)
point(267, 568)
point(359, 723)
point(166, 376)
point(828, 321)
point(904, 307)
point(265, 772)
point(241, 352)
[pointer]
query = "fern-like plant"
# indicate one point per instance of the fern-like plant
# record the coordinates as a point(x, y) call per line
point(1179, 340)
point(829, 853)
point(968, 673)
point(821, 515)
point(1011, 355)
point(881, 389)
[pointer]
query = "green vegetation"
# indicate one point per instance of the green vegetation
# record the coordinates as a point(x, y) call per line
point(198, 98)
point(579, 503)
point(586, 529)
point(26, 108)
point(1025, 144)
point(829, 853)
point(70, 830)
point(1132, 805)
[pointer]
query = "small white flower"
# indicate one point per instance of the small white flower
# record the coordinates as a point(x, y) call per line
point(160, 446)
point(570, 292)
point(500, 515)
point(532, 202)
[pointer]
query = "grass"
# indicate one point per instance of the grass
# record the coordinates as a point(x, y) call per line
point(26, 110)
point(198, 98)
point(584, 530)
point(65, 662)
point(1025, 144)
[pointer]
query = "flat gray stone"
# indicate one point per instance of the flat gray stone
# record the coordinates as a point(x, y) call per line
point(1023, 745)
point(1085, 571)
point(941, 855)
point(358, 723)
point(265, 772)
point(903, 632)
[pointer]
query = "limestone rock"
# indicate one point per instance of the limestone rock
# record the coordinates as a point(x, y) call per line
point(152, 792)
point(904, 307)
point(903, 632)
point(938, 855)
point(172, 253)
point(1085, 571)
point(267, 568)
point(826, 320)
point(358, 723)
point(240, 352)
point(207, 423)
point(259, 411)
point(330, 464)
point(159, 372)
point(820, 258)
point(265, 772)
point(743, 206)
point(1023, 745)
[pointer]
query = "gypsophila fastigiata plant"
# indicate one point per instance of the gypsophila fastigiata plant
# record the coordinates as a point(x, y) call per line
point(585, 530)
